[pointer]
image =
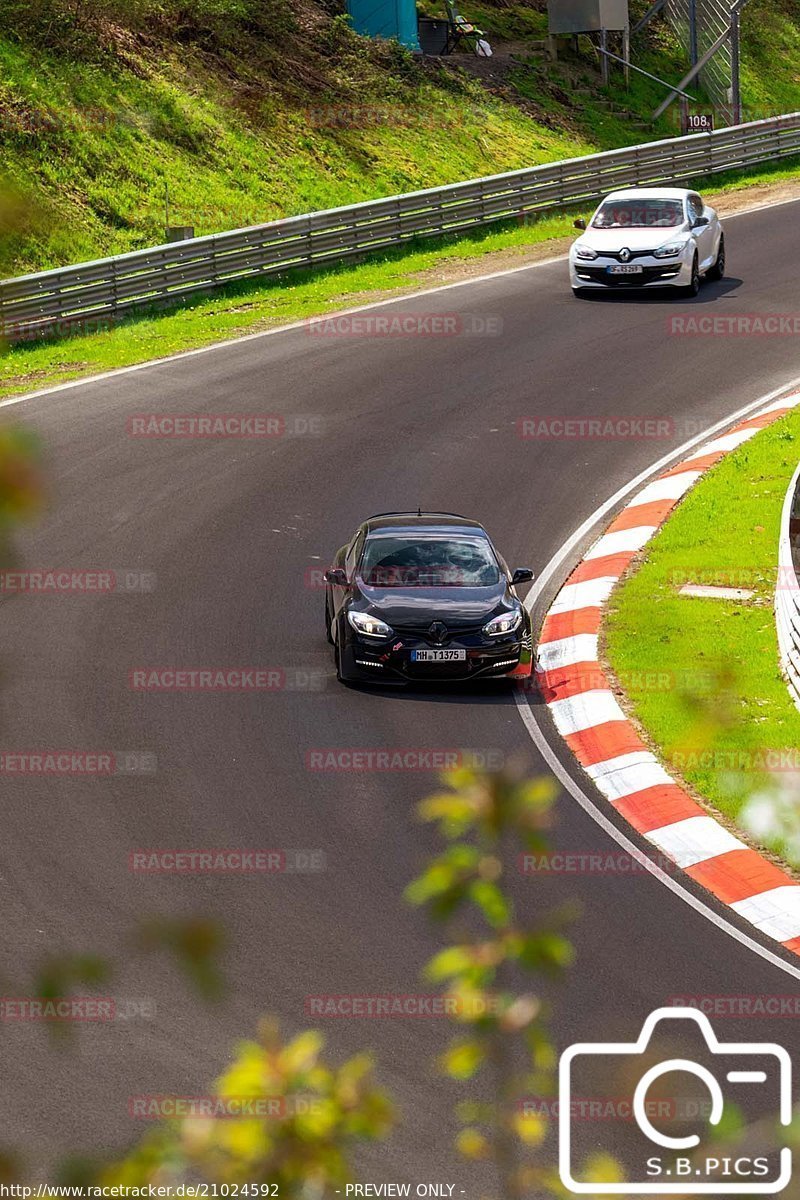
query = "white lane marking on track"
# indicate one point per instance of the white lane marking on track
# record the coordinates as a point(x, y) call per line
point(624, 541)
point(539, 738)
point(584, 711)
point(776, 913)
point(619, 782)
point(608, 766)
point(694, 840)
point(566, 652)
point(589, 594)
point(671, 488)
point(342, 312)
point(730, 442)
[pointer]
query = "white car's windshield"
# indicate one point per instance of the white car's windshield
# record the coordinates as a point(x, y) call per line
point(638, 214)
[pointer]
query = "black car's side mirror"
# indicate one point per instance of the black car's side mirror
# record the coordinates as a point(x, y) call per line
point(579, 223)
point(700, 221)
point(522, 575)
point(337, 576)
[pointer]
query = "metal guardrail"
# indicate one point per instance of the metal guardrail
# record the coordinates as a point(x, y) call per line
point(50, 301)
point(787, 590)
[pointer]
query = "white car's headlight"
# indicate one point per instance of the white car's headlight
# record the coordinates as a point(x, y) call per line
point(670, 250)
point(505, 623)
point(369, 626)
point(584, 251)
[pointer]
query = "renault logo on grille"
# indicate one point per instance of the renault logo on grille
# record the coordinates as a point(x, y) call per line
point(438, 631)
point(625, 254)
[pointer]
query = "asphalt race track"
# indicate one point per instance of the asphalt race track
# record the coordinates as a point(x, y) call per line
point(230, 529)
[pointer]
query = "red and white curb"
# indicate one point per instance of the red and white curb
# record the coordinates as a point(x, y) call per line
point(606, 744)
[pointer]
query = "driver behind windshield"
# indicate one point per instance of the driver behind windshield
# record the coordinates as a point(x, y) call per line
point(428, 562)
point(639, 214)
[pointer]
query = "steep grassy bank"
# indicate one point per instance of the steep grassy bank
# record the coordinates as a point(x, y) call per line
point(239, 111)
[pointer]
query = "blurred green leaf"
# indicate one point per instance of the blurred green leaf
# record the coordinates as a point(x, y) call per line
point(462, 1059)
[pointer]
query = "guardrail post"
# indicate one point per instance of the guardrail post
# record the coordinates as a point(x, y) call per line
point(213, 266)
point(114, 293)
point(308, 238)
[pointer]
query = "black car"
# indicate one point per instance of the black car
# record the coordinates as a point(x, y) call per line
point(425, 596)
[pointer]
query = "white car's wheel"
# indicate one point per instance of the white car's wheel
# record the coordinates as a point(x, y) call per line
point(718, 269)
point(694, 286)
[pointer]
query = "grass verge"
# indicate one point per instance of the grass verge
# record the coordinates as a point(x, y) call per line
point(251, 307)
point(702, 676)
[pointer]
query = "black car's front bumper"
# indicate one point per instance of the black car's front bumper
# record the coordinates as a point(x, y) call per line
point(392, 661)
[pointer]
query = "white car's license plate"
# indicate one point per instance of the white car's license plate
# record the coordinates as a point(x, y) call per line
point(438, 656)
point(625, 269)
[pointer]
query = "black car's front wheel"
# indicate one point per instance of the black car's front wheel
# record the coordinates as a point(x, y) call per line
point(341, 654)
point(328, 620)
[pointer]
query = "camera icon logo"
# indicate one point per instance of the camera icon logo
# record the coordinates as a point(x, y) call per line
point(755, 1071)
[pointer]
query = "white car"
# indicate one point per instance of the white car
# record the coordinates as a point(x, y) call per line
point(648, 237)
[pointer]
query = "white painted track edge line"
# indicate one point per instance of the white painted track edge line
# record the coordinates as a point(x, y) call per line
point(341, 312)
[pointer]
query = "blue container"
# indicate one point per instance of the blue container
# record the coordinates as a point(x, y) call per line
point(386, 19)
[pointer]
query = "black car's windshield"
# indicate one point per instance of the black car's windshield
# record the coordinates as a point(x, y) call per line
point(639, 214)
point(403, 561)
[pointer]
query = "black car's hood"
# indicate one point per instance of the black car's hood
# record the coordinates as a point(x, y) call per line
point(452, 605)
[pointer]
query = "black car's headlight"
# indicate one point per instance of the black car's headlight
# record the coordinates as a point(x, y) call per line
point(506, 623)
point(368, 626)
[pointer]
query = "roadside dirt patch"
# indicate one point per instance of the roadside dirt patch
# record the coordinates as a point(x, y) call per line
point(749, 197)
